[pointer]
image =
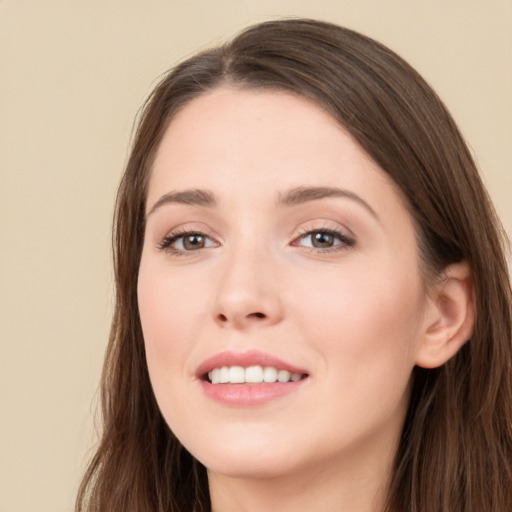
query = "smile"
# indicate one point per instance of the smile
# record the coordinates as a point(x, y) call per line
point(248, 379)
point(251, 375)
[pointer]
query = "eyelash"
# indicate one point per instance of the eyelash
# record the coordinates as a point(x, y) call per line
point(346, 242)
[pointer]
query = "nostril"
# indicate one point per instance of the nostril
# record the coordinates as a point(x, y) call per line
point(227, 319)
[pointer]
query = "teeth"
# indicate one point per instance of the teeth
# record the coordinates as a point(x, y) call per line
point(236, 375)
point(251, 375)
point(214, 376)
point(254, 374)
point(283, 376)
point(224, 375)
point(269, 374)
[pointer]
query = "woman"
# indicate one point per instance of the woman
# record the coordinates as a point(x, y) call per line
point(313, 309)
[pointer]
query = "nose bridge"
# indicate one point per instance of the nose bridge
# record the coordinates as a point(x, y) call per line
point(247, 292)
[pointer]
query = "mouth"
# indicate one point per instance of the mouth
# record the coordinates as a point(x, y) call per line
point(247, 379)
point(255, 374)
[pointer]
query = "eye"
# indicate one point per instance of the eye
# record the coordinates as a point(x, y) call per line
point(324, 239)
point(180, 242)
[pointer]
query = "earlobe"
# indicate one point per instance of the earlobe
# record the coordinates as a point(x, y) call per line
point(449, 318)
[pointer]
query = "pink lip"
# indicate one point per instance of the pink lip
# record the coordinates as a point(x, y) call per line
point(246, 395)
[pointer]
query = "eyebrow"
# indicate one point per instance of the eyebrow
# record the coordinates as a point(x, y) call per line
point(300, 195)
point(293, 197)
point(194, 197)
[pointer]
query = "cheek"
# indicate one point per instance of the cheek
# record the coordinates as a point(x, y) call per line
point(366, 330)
point(168, 315)
point(171, 309)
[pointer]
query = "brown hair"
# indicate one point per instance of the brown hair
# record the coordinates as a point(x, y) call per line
point(455, 453)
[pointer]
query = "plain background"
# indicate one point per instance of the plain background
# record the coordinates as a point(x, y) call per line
point(72, 77)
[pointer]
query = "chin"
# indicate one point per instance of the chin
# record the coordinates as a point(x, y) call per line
point(249, 458)
point(249, 468)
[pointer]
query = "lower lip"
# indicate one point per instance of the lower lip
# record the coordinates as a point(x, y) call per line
point(246, 395)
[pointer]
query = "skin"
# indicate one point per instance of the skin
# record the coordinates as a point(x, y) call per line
point(355, 315)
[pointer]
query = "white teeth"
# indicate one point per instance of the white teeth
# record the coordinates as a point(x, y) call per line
point(254, 374)
point(215, 376)
point(236, 375)
point(283, 376)
point(269, 374)
point(251, 375)
point(224, 375)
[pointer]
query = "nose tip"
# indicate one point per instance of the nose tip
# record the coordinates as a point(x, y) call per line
point(247, 297)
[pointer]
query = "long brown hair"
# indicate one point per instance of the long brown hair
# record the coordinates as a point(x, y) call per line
point(455, 453)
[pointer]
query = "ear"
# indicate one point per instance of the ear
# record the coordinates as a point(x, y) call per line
point(449, 318)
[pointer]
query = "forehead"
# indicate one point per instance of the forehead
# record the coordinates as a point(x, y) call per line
point(261, 141)
point(248, 130)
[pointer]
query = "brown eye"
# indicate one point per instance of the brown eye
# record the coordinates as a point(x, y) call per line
point(322, 240)
point(193, 241)
point(186, 242)
point(325, 239)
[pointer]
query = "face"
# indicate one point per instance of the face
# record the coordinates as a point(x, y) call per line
point(280, 263)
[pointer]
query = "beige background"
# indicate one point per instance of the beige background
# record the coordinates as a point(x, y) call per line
point(72, 76)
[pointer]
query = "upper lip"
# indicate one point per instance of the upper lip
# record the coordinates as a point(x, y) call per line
point(245, 359)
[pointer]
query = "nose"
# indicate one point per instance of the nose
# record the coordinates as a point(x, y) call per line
point(248, 293)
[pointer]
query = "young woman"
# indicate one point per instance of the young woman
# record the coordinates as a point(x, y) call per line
point(313, 307)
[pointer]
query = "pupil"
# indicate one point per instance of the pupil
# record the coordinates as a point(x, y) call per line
point(322, 240)
point(193, 242)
